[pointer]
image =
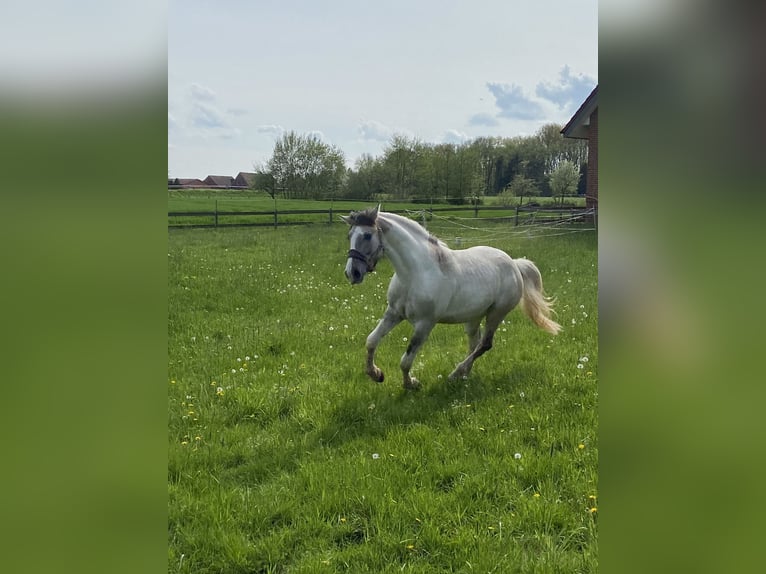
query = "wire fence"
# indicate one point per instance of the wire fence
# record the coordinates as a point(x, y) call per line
point(467, 216)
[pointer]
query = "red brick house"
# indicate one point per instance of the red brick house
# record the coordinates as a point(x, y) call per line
point(219, 181)
point(244, 179)
point(584, 125)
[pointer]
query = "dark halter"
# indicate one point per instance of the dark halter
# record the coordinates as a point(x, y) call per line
point(359, 256)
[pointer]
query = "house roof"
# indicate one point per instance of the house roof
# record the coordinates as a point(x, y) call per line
point(245, 178)
point(219, 180)
point(577, 127)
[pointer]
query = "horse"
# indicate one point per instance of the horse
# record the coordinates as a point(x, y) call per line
point(435, 284)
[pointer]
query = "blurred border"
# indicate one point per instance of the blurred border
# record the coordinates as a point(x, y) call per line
point(84, 154)
point(680, 275)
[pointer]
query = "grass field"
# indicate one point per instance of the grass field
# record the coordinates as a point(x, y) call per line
point(284, 457)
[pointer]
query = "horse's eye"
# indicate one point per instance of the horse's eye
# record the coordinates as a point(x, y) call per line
point(367, 236)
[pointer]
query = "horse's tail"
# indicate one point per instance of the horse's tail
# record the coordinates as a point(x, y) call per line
point(535, 304)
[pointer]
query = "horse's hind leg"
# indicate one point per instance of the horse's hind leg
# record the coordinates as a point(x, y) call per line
point(390, 320)
point(485, 344)
point(473, 332)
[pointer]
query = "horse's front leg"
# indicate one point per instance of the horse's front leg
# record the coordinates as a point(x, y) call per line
point(390, 320)
point(422, 330)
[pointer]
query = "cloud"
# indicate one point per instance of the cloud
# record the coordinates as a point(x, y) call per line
point(455, 137)
point(569, 92)
point(202, 93)
point(513, 103)
point(483, 119)
point(172, 123)
point(374, 130)
point(205, 115)
point(273, 130)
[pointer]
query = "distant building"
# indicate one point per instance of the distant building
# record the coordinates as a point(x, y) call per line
point(584, 125)
point(184, 183)
point(244, 179)
point(219, 181)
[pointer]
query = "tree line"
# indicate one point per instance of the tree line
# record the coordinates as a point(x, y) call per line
point(544, 164)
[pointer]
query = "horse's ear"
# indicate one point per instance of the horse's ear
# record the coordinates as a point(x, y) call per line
point(347, 219)
point(375, 213)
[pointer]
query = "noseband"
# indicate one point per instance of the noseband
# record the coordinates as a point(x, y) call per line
point(370, 261)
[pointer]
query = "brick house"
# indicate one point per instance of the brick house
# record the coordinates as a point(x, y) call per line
point(584, 125)
point(219, 181)
point(244, 179)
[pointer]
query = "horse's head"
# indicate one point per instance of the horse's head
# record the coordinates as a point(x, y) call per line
point(366, 245)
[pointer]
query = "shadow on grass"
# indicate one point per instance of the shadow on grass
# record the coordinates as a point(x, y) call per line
point(375, 413)
point(369, 412)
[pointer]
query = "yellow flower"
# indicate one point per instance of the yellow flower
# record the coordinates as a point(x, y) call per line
point(581, 446)
point(184, 442)
point(172, 382)
point(536, 495)
point(593, 510)
point(197, 438)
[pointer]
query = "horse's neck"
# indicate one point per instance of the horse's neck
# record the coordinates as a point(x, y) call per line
point(406, 244)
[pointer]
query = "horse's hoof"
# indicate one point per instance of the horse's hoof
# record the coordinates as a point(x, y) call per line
point(377, 376)
point(412, 385)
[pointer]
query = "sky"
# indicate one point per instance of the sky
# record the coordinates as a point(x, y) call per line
point(242, 73)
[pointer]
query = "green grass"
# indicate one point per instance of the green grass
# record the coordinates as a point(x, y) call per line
point(284, 457)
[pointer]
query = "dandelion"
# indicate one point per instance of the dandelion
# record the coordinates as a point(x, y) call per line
point(581, 446)
point(234, 371)
point(239, 360)
point(247, 357)
point(375, 456)
point(332, 328)
point(219, 391)
point(410, 547)
point(404, 339)
point(593, 510)
point(536, 495)
point(172, 382)
point(584, 359)
point(197, 438)
point(580, 366)
point(183, 442)
point(517, 456)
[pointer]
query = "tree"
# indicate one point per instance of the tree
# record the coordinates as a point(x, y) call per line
point(303, 167)
point(564, 180)
point(521, 186)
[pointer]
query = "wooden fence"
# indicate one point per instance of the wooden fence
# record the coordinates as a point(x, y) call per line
point(519, 215)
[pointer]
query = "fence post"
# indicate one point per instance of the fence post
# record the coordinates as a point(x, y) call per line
point(216, 213)
point(516, 219)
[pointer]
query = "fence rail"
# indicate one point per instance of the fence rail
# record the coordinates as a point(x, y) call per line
point(520, 215)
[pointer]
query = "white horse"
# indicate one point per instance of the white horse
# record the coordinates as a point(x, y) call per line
point(435, 284)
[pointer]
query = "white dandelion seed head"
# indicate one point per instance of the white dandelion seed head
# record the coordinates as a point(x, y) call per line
point(517, 456)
